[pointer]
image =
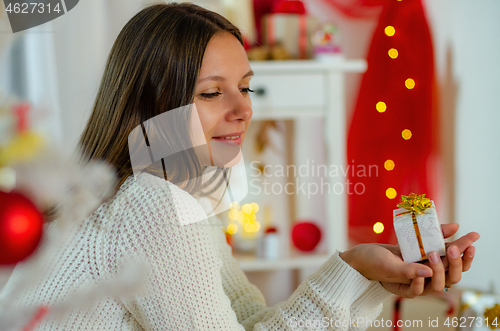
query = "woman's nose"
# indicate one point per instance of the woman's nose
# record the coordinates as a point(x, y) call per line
point(241, 109)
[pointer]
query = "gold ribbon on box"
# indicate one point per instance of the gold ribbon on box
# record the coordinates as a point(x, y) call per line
point(416, 204)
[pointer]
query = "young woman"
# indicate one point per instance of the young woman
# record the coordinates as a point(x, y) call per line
point(167, 57)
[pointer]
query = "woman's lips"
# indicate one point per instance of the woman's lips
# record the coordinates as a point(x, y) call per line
point(230, 139)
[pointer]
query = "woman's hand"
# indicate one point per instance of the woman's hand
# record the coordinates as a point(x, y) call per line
point(384, 263)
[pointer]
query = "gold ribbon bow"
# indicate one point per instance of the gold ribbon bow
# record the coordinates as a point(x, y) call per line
point(416, 204)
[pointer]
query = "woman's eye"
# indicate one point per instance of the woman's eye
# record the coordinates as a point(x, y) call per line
point(210, 95)
point(246, 90)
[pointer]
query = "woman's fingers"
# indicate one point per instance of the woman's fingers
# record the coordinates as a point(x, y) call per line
point(462, 243)
point(409, 271)
point(433, 276)
point(449, 229)
point(455, 266)
point(438, 279)
point(416, 287)
point(468, 257)
point(465, 241)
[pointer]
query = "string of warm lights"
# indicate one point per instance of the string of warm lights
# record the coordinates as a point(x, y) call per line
point(247, 218)
point(406, 134)
point(393, 124)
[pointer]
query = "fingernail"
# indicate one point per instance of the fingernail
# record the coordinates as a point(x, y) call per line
point(454, 252)
point(424, 273)
point(434, 257)
point(471, 252)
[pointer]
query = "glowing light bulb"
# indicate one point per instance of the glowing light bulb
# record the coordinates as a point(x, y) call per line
point(247, 208)
point(233, 215)
point(389, 165)
point(241, 216)
point(406, 134)
point(255, 207)
point(381, 106)
point(232, 229)
point(409, 83)
point(391, 193)
point(393, 53)
point(378, 227)
point(389, 30)
point(250, 227)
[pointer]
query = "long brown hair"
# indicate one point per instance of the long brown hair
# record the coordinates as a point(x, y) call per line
point(152, 68)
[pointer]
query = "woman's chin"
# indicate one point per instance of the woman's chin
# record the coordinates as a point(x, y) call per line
point(225, 155)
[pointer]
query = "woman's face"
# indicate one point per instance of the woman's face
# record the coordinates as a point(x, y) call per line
point(222, 98)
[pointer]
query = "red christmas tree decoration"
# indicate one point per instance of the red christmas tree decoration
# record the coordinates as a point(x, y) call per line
point(306, 236)
point(21, 228)
point(393, 126)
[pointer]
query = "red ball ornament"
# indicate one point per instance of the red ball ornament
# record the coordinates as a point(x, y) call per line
point(306, 236)
point(21, 227)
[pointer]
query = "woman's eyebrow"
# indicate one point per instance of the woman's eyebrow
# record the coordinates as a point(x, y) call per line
point(215, 78)
point(248, 74)
point(220, 78)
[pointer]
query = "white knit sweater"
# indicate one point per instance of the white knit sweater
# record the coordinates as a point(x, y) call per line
point(194, 282)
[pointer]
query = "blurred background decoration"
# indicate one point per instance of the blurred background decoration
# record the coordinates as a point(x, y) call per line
point(244, 225)
point(477, 305)
point(394, 121)
point(290, 27)
point(44, 195)
point(327, 42)
point(441, 141)
point(21, 222)
point(305, 235)
point(21, 227)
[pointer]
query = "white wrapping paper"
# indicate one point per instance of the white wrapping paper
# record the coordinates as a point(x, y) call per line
point(430, 234)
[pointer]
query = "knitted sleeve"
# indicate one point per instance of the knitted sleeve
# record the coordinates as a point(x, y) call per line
point(335, 297)
point(194, 282)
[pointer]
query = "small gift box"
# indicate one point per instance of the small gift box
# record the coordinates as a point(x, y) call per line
point(417, 228)
point(292, 31)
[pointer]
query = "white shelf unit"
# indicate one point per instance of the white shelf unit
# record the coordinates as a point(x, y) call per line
point(304, 89)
